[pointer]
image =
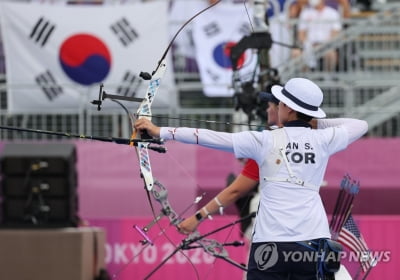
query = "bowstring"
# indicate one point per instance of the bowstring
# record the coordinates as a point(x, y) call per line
point(229, 234)
point(132, 119)
point(248, 199)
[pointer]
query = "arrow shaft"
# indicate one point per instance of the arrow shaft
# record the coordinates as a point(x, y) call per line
point(81, 136)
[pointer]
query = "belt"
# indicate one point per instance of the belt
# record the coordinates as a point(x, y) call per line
point(310, 244)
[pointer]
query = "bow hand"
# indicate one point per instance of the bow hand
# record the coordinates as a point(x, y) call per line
point(145, 126)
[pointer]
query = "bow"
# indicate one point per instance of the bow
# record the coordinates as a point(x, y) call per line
point(153, 186)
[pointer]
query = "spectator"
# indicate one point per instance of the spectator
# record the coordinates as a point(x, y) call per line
point(295, 9)
point(319, 24)
point(294, 13)
point(343, 6)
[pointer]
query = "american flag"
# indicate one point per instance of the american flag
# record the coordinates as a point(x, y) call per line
point(351, 237)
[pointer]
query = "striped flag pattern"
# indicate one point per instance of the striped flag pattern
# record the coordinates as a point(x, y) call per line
point(351, 237)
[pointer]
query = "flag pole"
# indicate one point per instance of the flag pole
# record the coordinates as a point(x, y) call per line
point(372, 264)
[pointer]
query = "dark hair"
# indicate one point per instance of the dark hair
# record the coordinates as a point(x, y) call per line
point(303, 117)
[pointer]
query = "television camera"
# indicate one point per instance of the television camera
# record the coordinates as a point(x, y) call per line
point(247, 93)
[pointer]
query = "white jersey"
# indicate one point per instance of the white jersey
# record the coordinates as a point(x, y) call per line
point(287, 211)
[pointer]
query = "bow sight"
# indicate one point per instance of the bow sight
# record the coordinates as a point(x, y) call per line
point(103, 95)
point(115, 98)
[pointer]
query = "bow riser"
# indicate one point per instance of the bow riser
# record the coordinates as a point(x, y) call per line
point(144, 111)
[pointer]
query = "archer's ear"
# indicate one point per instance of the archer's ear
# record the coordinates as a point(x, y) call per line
point(290, 110)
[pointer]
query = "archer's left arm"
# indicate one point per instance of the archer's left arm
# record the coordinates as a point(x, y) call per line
point(247, 144)
point(204, 137)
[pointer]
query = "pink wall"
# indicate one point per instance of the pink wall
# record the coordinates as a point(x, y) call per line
point(381, 233)
point(111, 192)
point(110, 185)
point(373, 161)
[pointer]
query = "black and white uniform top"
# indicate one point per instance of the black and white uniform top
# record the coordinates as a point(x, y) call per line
point(290, 205)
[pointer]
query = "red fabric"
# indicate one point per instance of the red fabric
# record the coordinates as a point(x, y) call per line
point(250, 170)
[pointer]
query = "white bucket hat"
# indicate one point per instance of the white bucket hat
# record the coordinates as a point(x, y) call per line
point(301, 95)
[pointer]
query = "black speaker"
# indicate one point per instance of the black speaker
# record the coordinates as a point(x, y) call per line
point(38, 185)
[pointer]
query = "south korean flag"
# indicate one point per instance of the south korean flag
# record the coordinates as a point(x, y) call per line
point(223, 27)
point(58, 55)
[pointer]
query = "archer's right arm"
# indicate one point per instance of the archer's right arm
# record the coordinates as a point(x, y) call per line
point(238, 188)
